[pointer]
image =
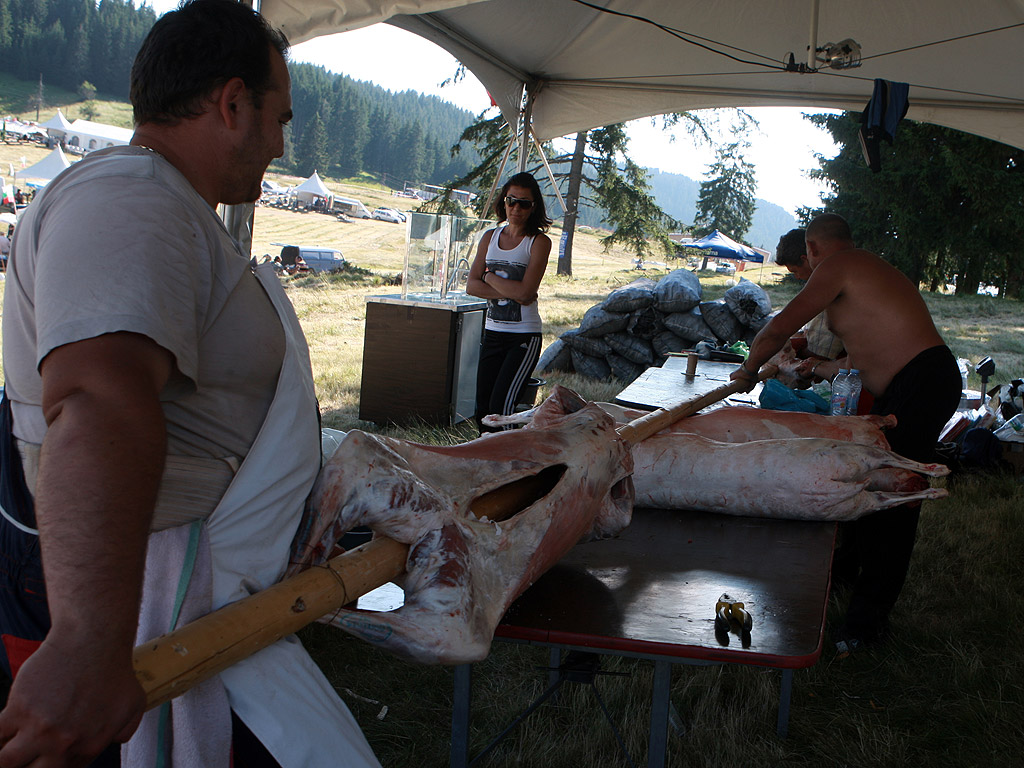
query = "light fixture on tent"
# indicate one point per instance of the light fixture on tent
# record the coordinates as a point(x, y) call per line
point(842, 55)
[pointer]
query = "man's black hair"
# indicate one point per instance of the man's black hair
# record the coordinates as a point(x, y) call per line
point(191, 51)
point(791, 248)
point(538, 221)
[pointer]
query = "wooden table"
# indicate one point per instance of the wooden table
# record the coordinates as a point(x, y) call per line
point(651, 593)
point(668, 385)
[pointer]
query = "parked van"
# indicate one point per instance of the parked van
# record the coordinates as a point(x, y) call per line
point(317, 259)
point(351, 207)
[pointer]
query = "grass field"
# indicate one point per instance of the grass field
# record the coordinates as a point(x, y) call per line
point(945, 691)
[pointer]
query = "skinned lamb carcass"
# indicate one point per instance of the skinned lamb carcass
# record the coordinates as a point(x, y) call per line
point(742, 424)
point(463, 572)
point(731, 460)
point(807, 478)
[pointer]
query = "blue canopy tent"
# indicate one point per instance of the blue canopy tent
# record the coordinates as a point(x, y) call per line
point(724, 247)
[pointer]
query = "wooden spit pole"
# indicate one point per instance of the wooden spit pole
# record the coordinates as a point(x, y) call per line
point(169, 665)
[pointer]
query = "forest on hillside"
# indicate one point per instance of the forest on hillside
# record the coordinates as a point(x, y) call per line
point(342, 127)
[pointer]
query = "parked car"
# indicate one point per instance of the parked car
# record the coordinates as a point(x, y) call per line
point(317, 259)
point(388, 214)
point(725, 268)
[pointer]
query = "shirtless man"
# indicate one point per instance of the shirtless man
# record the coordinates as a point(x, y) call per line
point(904, 363)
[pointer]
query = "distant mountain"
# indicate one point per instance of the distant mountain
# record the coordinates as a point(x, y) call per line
point(677, 195)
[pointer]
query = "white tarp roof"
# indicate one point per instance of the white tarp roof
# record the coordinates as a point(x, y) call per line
point(313, 186)
point(47, 168)
point(57, 123)
point(103, 131)
point(592, 68)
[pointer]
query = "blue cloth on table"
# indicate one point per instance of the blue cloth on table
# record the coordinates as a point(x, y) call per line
point(778, 397)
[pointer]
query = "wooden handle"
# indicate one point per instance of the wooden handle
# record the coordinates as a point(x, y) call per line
point(171, 664)
point(640, 429)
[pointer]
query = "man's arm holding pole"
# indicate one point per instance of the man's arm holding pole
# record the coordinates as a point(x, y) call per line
point(100, 468)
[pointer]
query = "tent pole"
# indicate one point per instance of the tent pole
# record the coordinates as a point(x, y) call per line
point(551, 174)
point(812, 50)
point(524, 134)
point(497, 176)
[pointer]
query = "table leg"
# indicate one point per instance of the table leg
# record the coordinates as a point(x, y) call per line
point(554, 675)
point(459, 754)
point(657, 746)
point(785, 693)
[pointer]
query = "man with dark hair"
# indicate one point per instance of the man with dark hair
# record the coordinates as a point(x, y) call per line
point(890, 337)
point(821, 345)
point(145, 451)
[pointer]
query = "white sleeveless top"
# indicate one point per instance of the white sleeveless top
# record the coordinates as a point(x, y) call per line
point(505, 314)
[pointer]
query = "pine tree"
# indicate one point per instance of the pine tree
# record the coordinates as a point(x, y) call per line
point(311, 153)
point(727, 199)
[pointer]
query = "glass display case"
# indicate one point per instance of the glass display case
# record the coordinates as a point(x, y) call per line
point(439, 250)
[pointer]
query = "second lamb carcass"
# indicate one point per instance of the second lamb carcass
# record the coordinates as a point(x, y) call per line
point(463, 572)
point(803, 478)
point(740, 424)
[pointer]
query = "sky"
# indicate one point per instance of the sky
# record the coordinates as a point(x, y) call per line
point(782, 151)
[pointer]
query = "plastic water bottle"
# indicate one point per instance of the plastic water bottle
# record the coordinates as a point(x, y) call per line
point(853, 388)
point(840, 390)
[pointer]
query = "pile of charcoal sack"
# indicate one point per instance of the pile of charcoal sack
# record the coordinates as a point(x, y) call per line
point(639, 324)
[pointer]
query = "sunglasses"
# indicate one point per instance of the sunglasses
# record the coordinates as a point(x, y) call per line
point(522, 202)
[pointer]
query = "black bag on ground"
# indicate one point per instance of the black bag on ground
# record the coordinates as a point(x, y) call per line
point(636, 350)
point(591, 367)
point(555, 358)
point(645, 323)
point(597, 321)
point(678, 291)
point(623, 369)
point(588, 346)
point(690, 326)
point(748, 302)
point(666, 342)
point(721, 320)
point(629, 298)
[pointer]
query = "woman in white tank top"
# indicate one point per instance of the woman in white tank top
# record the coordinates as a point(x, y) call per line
point(509, 265)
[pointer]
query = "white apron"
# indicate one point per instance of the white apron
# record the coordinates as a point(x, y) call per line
point(279, 693)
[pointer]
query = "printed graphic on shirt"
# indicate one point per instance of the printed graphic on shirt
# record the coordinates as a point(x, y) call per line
point(506, 310)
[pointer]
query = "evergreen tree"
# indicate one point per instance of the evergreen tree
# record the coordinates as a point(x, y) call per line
point(311, 153)
point(727, 199)
point(946, 207)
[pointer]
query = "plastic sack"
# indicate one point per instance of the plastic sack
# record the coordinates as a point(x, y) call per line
point(690, 326)
point(721, 320)
point(1012, 431)
point(678, 291)
point(330, 439)
point(591, 367)
point(748, 302)
point(777, 396)
point(633, 349)
point(645, 323)
point(623, 369)
point(555, 358)
point(588, 346)
point(597, 321)
point(666, 342)
point(637, 295)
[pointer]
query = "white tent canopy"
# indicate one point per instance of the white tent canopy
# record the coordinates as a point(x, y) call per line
point(45, 169)
point(590, 64)
point(57, 125)
point(312, 188)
